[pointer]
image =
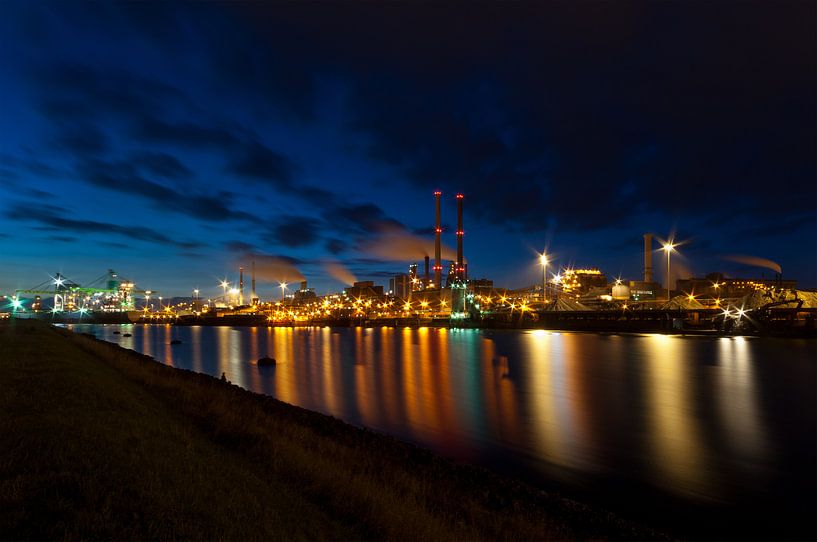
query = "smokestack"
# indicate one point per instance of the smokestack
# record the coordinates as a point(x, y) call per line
point(427, 275)
point(647, 257)
point(240, 285)
point(460, 271)
point(438, 263)
point(252, 293)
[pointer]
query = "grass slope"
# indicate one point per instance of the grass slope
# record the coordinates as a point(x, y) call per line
point(100, 442)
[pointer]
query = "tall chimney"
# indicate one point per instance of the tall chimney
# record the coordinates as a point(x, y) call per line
point(438, 262)
point(460, 271)
point(647, 257)
point(240, 285)
point(253, 294)
point(427, 275)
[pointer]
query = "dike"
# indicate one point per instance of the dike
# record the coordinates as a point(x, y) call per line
point(100, 442)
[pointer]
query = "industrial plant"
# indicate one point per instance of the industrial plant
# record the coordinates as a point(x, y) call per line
point(567, 298)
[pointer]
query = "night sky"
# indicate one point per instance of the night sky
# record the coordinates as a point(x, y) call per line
point(173, 143)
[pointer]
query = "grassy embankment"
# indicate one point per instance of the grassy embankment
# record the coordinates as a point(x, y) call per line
point(100, 442)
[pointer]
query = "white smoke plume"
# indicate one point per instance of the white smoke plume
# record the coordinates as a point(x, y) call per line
point(402, 246)
point(755, 261)
point(272, 268)
point(340, 273)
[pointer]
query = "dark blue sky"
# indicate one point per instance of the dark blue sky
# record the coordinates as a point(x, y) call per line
point(172, 143)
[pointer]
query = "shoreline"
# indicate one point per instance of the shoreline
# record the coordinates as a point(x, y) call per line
point(666, 322)
point(442, 498)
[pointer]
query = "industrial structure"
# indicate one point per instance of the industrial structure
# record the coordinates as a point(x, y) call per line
point(569, 298)
point(108, 295)
point(438, 264)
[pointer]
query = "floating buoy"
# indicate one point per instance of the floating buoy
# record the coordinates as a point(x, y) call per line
point(265, 361)
point(127, 335)
point(175, 341)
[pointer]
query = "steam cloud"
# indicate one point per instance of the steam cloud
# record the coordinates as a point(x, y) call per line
point(401, 246)
point(755, 261)
point(341, 273)
point(273, 268)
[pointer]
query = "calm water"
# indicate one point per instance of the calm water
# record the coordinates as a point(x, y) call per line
point(710, 436)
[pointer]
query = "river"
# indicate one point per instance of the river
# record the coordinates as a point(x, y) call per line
point(706, 437)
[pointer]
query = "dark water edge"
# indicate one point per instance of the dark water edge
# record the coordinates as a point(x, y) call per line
point(749, 477)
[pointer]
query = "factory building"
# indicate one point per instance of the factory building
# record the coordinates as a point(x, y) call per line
point(364, 290)
point(716, 285)
point(575, 283)
point(401, 285)
point(304, 295)
point(644, 290)
point(481, 287)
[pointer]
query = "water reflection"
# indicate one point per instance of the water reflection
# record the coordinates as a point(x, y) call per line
point(546, 423)
point(674, 432)
point(738, 408)
point(680, 414)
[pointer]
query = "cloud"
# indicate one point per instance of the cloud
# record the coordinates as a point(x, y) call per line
point(62, 238)
point(785, 226)
point(184, 134)
point(239, 246)
point(74, 90)
point(51, 219)
point(160, 164)
point(600, 126)
point(124, 177)
point(336, 246)
point(31, 166)
point(81, 138)
point(295, 231)
point(359, 218)
point(260, 163)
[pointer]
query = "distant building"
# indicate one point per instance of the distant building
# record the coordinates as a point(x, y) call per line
point(481, 287)
point(645, 291)
point(596, 297)
point(400, 285)
point(304, 295)
point(716, 285)
point(413, 271)
point(575, 283)
point(364, 290)
point(451, 275)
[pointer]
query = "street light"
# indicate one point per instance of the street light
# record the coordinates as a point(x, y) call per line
point(668, 248)
point(283, 286)
point(557, 281)
point(543, 259)
point(224, 285)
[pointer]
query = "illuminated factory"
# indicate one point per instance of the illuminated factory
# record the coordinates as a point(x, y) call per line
point(435, 292)
point(107, 294)
point(573, 283)
point(716, 285)
point(449, 296)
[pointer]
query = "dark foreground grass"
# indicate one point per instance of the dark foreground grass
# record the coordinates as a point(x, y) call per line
point(100, 442)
